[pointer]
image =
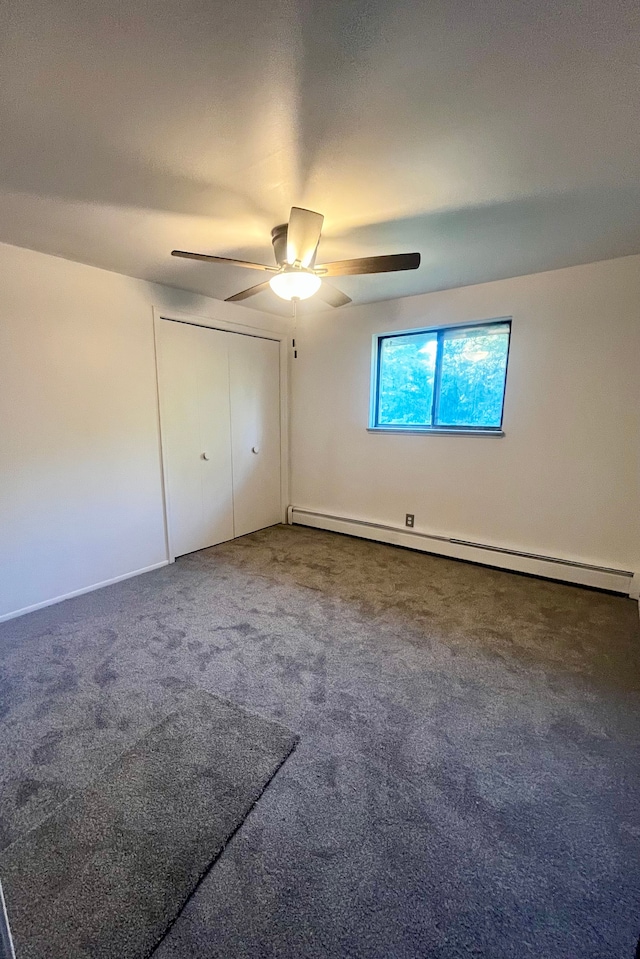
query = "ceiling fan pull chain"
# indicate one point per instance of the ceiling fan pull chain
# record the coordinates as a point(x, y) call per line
point(294, 302)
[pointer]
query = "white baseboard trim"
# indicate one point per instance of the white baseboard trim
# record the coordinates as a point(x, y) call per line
point(551, 567)
point(80, 592)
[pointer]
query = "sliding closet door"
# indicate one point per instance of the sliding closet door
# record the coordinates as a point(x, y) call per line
point(196, 434)
point(254, 366)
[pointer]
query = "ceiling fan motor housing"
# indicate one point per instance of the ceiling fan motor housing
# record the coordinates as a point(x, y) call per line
point(279, 240)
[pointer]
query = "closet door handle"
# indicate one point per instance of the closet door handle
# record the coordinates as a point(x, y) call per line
point(255, 449)
point(205, 456)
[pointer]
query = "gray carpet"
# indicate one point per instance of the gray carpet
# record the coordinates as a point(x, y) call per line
point(467, 783)
point(105, 875)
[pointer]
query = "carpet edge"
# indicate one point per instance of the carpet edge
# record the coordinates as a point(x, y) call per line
point(295, 739)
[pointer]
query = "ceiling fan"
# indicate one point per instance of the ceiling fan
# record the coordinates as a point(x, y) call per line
point(296, 276)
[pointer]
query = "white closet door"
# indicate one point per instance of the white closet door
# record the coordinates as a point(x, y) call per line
point(196, 435)
point(254, 366)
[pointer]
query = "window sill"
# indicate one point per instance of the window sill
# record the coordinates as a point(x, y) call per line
point(431, 431)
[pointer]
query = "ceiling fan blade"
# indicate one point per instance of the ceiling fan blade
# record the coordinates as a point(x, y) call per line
point(332, 295)
point(247, 293)
point(206, 258)
point(371, 264)
point(303, 236)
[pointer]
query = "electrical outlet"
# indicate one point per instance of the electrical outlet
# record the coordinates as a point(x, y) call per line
point(408, 520)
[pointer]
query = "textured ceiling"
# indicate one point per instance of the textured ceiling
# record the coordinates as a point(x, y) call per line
point(496, 137)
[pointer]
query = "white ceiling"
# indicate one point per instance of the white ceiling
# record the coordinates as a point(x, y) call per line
point(496, 137)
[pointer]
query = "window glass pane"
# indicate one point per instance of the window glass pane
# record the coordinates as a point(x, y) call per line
point(406, 375)
point(472, 378)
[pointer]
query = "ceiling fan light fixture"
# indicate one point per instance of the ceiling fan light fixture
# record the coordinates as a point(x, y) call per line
point(296, 284)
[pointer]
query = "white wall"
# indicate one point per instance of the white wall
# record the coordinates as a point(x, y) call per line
point(80, 473)
point(564, 479)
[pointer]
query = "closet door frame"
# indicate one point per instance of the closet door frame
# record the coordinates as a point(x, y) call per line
point(212, 323)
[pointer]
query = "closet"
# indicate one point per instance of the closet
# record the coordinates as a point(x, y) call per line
point(220, 427)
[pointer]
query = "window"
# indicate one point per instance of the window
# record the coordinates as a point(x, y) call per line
point(450, 379)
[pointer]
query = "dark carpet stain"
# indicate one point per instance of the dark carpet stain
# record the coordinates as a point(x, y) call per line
point(25, 791)
point(104, 675)
point(45, 753)
point(172, 682)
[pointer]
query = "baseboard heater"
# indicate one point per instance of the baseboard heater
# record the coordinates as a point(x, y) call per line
point(551, 567)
